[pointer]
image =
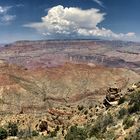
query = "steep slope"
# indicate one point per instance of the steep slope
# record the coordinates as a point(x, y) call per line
point(121, 122)
point(30, 98)
point(31, 91)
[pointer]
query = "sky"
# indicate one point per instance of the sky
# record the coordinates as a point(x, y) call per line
point(69, 19)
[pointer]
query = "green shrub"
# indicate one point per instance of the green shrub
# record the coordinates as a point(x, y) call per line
point(21, 133)
point(24, 133)
point(3, 133)
point(76, 133)
point(12, 129)
point(90, 107)
point(80, 107)
point(95, 130)
point(122, 112)
point(128, 122)
point(86, 112)
point(54, 133)
point(134, 108)
point(35, 133)
point(100, 126)
point(121, 100)
point(134, 103)
point(134, 97)
point(109, 135)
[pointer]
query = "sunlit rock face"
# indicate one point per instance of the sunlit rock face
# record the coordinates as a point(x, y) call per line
point(37, 75)
point(37, 90)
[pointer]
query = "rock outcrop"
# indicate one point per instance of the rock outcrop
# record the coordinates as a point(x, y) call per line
point(112, 97)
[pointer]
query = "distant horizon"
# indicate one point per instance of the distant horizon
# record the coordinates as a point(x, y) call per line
point(35, 40)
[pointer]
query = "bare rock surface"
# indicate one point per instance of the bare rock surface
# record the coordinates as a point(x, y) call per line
point(34, 54)
point(34, 91)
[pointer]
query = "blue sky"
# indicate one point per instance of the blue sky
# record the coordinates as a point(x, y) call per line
point(60, 19)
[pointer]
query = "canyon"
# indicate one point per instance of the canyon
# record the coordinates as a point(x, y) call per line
point(32, 54)
point(53, 79)
point(64, 72)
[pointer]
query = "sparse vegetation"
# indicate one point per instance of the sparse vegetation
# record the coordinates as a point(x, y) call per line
point(54, 133)
point(128, 122)
point(12, 129)
point(3, 133)
point(134, 135)
point(134, 102)
point(121, 100)
point(76, 133)
point(110, 135)
point(25, 133)
point(86, 112)
point(90, 107)
point(81, 123)
point(35, 133)
point(100, 126)
point(80, 107)
point(122, 112)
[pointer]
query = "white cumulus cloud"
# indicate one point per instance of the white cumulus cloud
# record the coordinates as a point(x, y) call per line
point(68, 22)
